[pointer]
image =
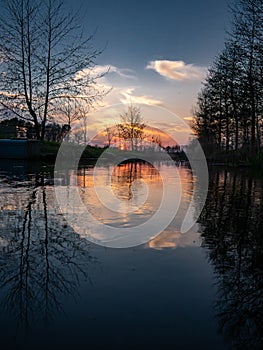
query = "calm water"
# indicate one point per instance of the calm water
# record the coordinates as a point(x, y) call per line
point(202, 289)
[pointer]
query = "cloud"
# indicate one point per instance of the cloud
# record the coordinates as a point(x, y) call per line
point(110, 69)
point(103, 70)
point(172, 127)
point(123, 72)
point(129, 97)
point(120, 91)
point(177, 70)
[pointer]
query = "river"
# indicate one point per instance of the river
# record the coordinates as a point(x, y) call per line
point(201, 289)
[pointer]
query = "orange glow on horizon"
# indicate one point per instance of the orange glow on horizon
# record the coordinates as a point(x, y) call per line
point(150, 135)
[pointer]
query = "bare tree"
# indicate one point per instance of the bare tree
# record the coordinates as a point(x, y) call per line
point(83, 114)
point(44, 59)
point(111, 132)
point(68, 111)
point(131, 126)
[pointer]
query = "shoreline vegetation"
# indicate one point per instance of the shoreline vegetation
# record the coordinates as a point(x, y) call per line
point(242, 158)
point(49, 150)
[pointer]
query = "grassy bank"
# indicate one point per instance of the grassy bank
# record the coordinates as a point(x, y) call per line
point(49, 151)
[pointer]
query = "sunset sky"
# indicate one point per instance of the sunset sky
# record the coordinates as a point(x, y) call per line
point(158, 52)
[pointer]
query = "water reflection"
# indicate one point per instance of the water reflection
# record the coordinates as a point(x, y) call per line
point(139, 187)
point(232, 223)
point(128, 174)
point(41, 259)
point(18, 168)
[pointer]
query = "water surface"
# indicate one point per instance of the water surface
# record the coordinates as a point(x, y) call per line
point(202, 289)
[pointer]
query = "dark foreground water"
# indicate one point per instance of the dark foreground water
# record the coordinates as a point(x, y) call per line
point(199, 290)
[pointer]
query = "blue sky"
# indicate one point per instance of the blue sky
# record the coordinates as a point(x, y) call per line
point(158, 50)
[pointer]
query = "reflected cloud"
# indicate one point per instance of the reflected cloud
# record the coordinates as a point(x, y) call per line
point(171, 238)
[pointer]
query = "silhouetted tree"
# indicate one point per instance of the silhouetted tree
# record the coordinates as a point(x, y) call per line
point(229, 108)
point(131, 126)
point(44, 59)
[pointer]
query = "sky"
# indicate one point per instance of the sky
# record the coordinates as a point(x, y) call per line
point(158, 53)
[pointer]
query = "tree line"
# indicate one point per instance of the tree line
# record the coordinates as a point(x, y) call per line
point(19, 128)
point(228, 114)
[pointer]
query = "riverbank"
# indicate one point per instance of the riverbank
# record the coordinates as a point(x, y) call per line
point(242, 158)
point(231, 159)
point(49, 150)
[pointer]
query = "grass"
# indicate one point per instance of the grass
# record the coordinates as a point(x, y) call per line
point(49, 148)
point(49, 151)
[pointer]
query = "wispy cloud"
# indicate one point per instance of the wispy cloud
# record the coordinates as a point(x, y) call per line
point(128, 96)
point(177, 70)
point(122, 91)
point(110, 69)
point(102, 70)
point(123, 72)
point(172, 127)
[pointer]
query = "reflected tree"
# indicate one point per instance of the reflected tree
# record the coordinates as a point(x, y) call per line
point(125, 174)
point(42, 260)
point(232, 223)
